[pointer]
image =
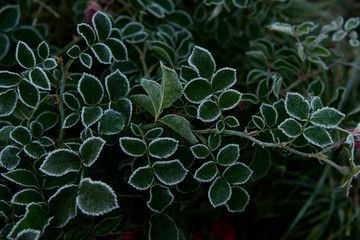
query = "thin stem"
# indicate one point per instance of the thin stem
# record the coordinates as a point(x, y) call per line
point(37, 107)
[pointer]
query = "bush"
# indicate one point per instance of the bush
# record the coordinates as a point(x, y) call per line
point(159, 119)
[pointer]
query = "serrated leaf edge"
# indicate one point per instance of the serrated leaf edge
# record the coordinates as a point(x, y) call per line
point(244, 165)
point(131, 176)
point(94, 121)
point(207, 120)
point(170, 194)
point(21, 191)
point(168, 162)
point(135, 139)
point(56, 174)
point(97, 56)
point(220, 70)
point(12, 138)
point(98, 154)
point(323, 125)
point(223, 149)
point(283, 131)
point(197, 145)
point(17, 53)
point(161, 139)
point(202, 166)
point(248, 200)
point(223, 203)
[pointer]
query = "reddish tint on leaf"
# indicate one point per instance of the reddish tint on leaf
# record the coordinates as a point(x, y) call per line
point(92, 8)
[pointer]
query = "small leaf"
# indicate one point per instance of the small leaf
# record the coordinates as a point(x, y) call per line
point(90, 150)
point(117, 85)
point(28, 234)
point(63, 204)
point(153, 89)
point(291, 128)
point(142, 178)
point(338, 35)
point(74, 51)
point(20, 135)
point(47, 119)
point(229, 99)
point(9, 158)
point(162, 147)
point(9, 17)
point(39, 78)
point(162, 227)
point(4, 45)
point(111, 122)
point(319, 51)
point(223, 79)
point(28, 93)
point(171, 88)
point(86, 32)
point(231, 121)
point(43, 50)
point(206, 172)
point(316, 87)
point(202, 60)
point(102, 53)
point(180, 19)
point(237, 173)
point(214, 141)
point(261, 163)
point(258, 121)
point(169, 172)
point(133, 146)
point(160, 198)
point(135, 129)
point(317, 136)
point(9, 79)
point(154, 133)
point(179, 125)
point(71, 101)
point(102, 25)
point(163, 51)
point(49, 64)
point(238, 201)
point(200, 151)
point(316, 103)
point(208, 111)
point(197, 90)
point(131, 29)
point(24, 55)
point(90, 115)
point(327, 117)
point(219, 192)
point(118, 49)
point(95, 197)
point(351, 24)
point(228, 154)
point(5, 193)
point(188, 73)
point(107, 226)
point(21, 177)
point(8, 101)
point(296, 106)
point(269, 114)
point(281, 27)
point(35, 218)
point(86, 60)
point(305, 28)
point(61, 161)
point(123, 106)
point(26, 196)
point(35, 150)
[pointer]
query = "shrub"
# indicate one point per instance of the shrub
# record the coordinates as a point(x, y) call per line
point(138, 119)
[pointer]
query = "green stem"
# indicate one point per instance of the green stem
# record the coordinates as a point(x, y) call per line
point(33, 112)
point(67, 46)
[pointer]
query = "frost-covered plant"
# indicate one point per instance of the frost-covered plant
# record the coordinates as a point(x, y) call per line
point(137, 115)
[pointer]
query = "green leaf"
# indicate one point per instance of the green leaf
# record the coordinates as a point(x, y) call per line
point(258, 121)
point(117, 85)
point(28, 93)
point(162, 147)
point(74, 51)
point(238, 201)
point(39, 78)
point(95, 197)
point(229, 99)
point(153, 89)
point(197, 90)
point(261, 163)
point(200, 151)
point(86, 31)
point(71, 101)
point(296, 106)
point(102, 53)
point(179, 125)
point(20, 135)
point(316, 87)
point(107, 226)
point(208, 111)
point(135, 129)
point(145, 102)
point(171, 88)
point(63, 204)
point(180, 19)
point(249, 97)
point(223, 79)
point(160, 198)
point(219, 192)
point(231, 121)
point(154, 133)
point(305, 28)
point(188, 73)
point(21, 177)
point(338, 35)
point(202, 60)
point(214, 141)
point(28, 234)
point(163, 50)
point(123, 106)
point(90, 115)
point(228, 154)
point(9, 79)
point(43, 50)
point(111, 122)
point(269, 114)
point(118, 49)
point(132, 146)
point(132, 29)
point(319, 51)
point(47, 119)
point(206, 172)
point(291, 128)
point(162, 227)
point(316, 103)
point(35, 150)
point(351, 24)
point(35, 218)
point(9, 17)
point(213, 2)
point(169, 172)
point(317, 136)
point(8, 101)
point(237, 173)
point(26, 196)
point(327, 117)
point(71, 120)
point(5, 193)
point(281, 27)
point(61, 161)
point(9, 157)
point(142, 178)
point(86, 60)
point(90, 150)
point(24, 55)
point(46, 141)
point(4, 45)
point(102, 25)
